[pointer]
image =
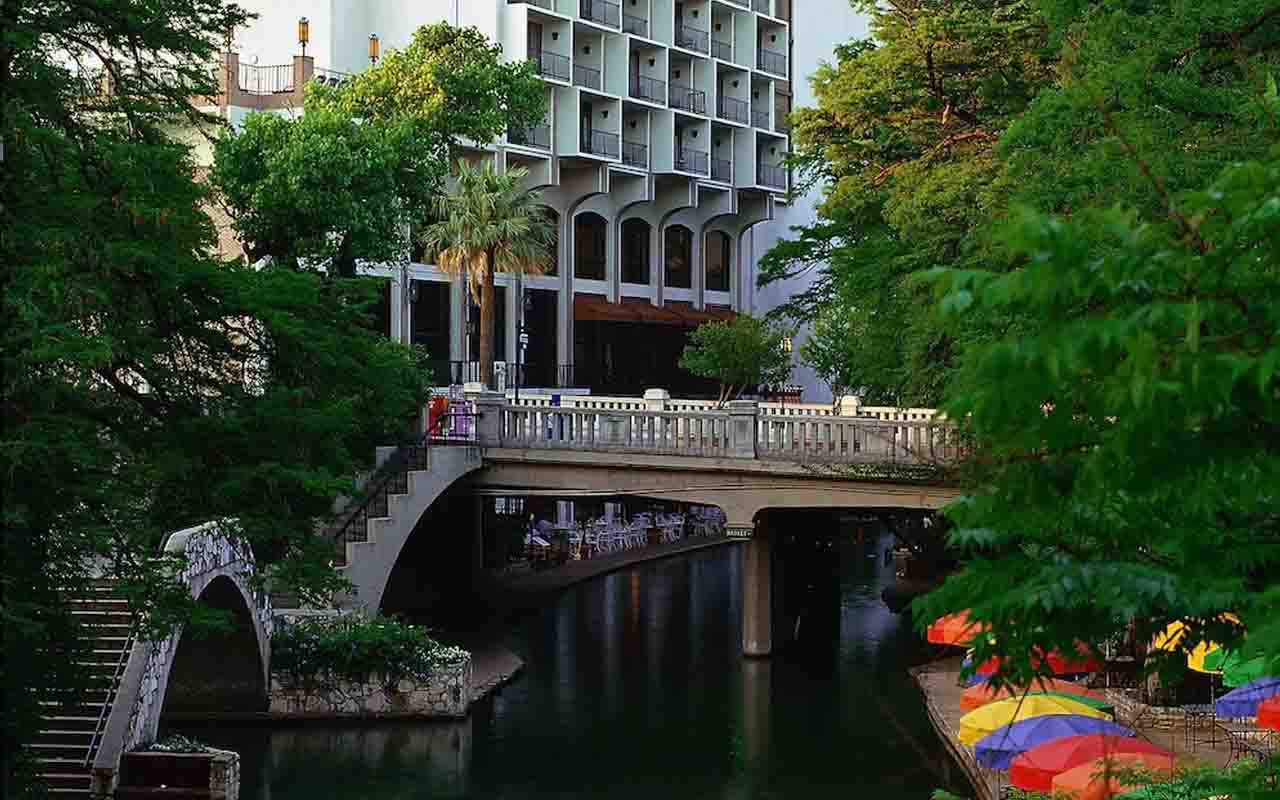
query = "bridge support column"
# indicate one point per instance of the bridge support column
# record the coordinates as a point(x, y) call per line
point(757, 598)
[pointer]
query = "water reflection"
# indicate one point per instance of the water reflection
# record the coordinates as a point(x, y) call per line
point(634, 688)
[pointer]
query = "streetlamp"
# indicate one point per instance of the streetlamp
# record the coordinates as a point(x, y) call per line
point(304, 34)
point(786, 349)
point(522, 341)
point(374, 48)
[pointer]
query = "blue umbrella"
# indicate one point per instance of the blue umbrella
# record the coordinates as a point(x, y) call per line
point(997, 749)
point(1243, 701)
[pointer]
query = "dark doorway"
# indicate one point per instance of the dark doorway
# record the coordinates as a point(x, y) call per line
point(540, 358)
point(430, 325)
point(590, 236)
point(635, 251)
point(678, 253)
point(718, 251)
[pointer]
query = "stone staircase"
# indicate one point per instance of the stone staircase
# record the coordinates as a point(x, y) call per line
point(68, 740)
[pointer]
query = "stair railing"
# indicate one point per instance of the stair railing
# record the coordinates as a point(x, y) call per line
point(112, 691)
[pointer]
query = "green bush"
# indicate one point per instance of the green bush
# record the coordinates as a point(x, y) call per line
point(356, 647)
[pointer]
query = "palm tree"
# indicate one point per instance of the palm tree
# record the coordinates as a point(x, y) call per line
point(488, 224)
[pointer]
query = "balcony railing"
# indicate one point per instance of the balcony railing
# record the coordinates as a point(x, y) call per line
point(586, 76)
point(547, 4)
point(330, 77)
point(601, 11)
point(769, 61)
point(275, 79)
point(532, 136)
point(760, 119)
point(553, 65)
point(731, 108)
point(688, 98)
point(721, 50)
point(692, 38)
point(600, 143)
point(763, 6)
point(648, 88)
point(637, 25)
point(691, 160)
point(722, 170)
point(770, 175)
point(635, 154)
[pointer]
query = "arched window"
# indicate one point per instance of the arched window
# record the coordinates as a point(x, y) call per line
point(590, 233)
point(717, 261)
point(678, 256)
point(554, 219)
point(635, 251)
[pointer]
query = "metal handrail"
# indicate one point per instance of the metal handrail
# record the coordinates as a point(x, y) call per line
point(332, 77)
point(112, 691)
point(688, 98)
point(770, 61)
point(391, 478)
point(691, 160)
point(721, 49)
point(600, 143)
point(533, 136)
point(722, 169)
point(551, 64)
point(647, 88)
point(732, 108)
point(635, 154)
point(770, 175)
point(760, 119)
point(692, 38)
point(274, 79)
point(637, 25)
point(599, 11)
point(586, 76)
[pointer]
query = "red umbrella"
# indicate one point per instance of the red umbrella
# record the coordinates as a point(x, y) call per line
point(1083, 661)
point(1097, 780)
point(980, 694)
point(1269, 713)
point(953, 629)
point(1036, 768)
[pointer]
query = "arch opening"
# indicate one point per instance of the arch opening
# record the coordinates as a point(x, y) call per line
point(635, 251)
point(220, 670)
point(590, 240)
point(716, 260)
point(678, 257)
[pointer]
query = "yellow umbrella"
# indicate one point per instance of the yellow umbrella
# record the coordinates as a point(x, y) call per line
point(982, 721)
point(1171, 639)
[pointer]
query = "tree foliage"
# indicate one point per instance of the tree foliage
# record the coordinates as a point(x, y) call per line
point(746, 352)
point(925, 137)
point(489, 223)
point(148, 386)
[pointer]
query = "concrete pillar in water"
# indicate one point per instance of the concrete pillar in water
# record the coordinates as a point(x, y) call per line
point(757, 598)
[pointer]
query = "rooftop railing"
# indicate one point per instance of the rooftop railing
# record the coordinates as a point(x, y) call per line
point(274, 79)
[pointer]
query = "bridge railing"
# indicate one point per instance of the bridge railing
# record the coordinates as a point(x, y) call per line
point(698, 433)
point(855, 439)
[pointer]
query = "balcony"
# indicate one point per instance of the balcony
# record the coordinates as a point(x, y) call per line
point(722, 170)
point(693, 39)
point(687, 160)
point(732, 109)
point(686, 98)
point(601, 11)
point(762, 6)
point(636, 25)
point(782, 125)
point(586, 76)
point(533, 136)
point(760, 119)
point(772, 176)
point(721, 49)
point(600, 143)
point(649, 89)
point(551, 65)
point(635, 154)
point(769, 61)
point(274, 79)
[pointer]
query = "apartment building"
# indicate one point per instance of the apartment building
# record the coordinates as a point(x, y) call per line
point(661, 150)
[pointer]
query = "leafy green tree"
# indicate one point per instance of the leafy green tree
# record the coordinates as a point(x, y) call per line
point(146, 385)
point(743, 353)
point(342, 182)
point(488, 224)
point(1129, 468)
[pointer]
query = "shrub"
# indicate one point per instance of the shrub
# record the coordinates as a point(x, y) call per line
point(356, 647)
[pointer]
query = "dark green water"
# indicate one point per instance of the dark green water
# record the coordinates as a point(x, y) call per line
point(634, 687)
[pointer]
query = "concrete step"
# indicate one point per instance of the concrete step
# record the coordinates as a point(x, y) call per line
point(55, 737)
point(102, 616)
point(72, 722)
point(77, 779)
point(45, 751)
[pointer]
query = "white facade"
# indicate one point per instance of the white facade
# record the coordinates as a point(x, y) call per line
point(664, 121)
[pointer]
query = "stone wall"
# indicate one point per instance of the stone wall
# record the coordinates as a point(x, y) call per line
point(445, 693)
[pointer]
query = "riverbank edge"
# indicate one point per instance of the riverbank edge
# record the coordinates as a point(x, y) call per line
point(962, 755)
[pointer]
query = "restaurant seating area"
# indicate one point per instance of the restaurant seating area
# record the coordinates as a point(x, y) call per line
point(549, 543)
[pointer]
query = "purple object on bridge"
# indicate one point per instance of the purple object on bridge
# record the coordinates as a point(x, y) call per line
point(997, 749)
point(1243, 701)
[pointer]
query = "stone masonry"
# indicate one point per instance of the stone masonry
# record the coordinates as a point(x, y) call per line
point(445, 693)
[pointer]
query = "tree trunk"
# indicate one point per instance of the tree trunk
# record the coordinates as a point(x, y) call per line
point(486, 327)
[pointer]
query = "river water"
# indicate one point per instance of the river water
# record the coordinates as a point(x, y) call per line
point(634, 687)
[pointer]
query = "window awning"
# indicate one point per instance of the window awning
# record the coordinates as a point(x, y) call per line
point(594, 308)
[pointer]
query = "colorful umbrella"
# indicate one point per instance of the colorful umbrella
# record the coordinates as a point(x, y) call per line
point(1094, 780)
point(953, 629)
point(982, 721)
point(1058, 663)
point(1171, 639)
point(983, 693)
point(1269, 713)
point(1034, 769)
point(1243, 701)
point(998, 749)
point(1237, 670)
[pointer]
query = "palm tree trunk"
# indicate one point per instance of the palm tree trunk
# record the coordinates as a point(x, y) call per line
point(486, 327)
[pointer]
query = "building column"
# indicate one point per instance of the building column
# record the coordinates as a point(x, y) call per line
point(564, 298)
point(458, 319)
point(657, 262)
point(757, 597)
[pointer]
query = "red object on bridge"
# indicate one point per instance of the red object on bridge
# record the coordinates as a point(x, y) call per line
point(1269, 713)
point(438, 409)
point(1035, 769)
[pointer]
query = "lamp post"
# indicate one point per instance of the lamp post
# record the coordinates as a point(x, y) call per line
point(786, 349)
point(374, 48)
point(304, 34)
